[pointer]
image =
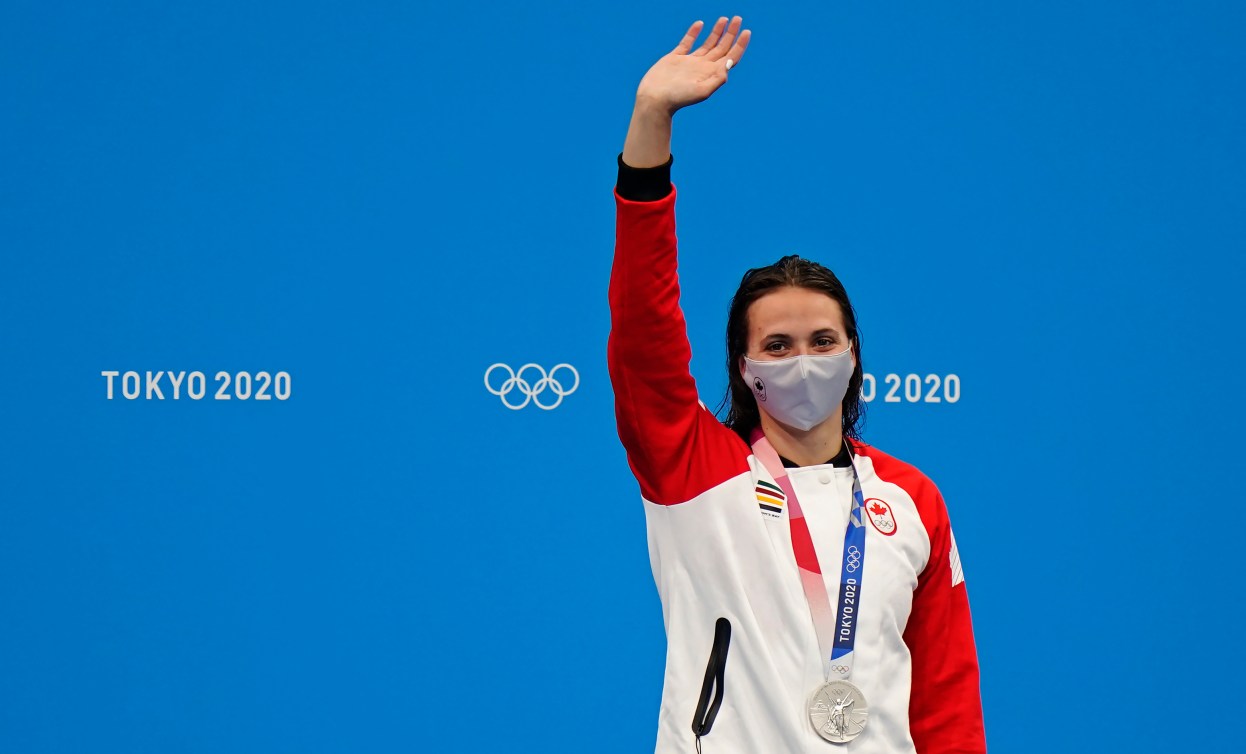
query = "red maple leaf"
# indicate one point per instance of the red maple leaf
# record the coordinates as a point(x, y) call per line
point(877, 509)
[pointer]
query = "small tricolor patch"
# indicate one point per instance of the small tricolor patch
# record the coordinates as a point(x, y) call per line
point(770, 497)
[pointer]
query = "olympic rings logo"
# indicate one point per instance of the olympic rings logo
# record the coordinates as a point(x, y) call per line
point(530, 389)
point(854, 559)
point(840, 668)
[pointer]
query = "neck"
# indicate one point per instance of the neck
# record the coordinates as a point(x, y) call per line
point(805, 448)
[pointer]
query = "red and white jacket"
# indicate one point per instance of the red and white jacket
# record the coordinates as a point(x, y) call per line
point(716, 553)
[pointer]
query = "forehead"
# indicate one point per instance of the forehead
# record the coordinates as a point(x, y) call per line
point(794, 310)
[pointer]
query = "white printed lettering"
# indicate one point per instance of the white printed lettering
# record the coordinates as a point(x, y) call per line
point(153, 385)
point(128, 379)
point(190, 385)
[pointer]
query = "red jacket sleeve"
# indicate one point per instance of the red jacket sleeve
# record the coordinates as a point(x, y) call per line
point(945, 708)
point(675, 446)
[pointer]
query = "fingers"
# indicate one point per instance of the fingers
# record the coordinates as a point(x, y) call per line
point(741, 44)
point(713, 37)
point(724, 41)
point(685, 44)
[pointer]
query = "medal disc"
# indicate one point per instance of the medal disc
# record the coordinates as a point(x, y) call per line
point(838, 711)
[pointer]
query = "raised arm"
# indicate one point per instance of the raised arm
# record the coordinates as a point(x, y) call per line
point(675, 446)
point(680, 78)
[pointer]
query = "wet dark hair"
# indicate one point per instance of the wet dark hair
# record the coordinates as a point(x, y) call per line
point(742, 414)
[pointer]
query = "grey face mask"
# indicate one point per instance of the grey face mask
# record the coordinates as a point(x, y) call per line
point(800, 391)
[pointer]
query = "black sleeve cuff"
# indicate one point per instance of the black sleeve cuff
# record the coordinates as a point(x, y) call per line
point(644, 184)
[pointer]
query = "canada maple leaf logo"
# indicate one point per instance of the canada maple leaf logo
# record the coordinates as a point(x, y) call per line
point(877, 509)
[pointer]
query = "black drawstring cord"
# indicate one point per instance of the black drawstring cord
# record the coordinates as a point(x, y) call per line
point(707, 710)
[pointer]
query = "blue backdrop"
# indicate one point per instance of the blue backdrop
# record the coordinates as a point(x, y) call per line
point(383, 199)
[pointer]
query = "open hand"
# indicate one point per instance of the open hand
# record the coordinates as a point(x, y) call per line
point(680, 79)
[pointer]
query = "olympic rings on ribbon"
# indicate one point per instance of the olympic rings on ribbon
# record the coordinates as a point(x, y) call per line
point(840, 668)
point(531, 390)
point(854, 559)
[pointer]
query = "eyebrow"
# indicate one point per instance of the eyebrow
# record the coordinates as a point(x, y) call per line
point(814, 334)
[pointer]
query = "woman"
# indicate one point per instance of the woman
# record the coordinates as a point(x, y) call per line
point(810, 585)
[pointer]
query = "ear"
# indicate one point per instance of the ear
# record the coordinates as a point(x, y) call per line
point(742, 365)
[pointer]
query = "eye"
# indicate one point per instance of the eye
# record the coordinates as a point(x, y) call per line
point(824, 342)
point(776, 346)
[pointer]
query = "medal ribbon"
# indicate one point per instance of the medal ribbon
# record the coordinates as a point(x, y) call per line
point(836, 627)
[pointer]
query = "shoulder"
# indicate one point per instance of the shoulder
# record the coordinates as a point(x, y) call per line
point(888, 468)
point(928, 502)
point(678, 460)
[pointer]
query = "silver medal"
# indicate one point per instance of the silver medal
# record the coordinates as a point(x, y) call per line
point(838, 711)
